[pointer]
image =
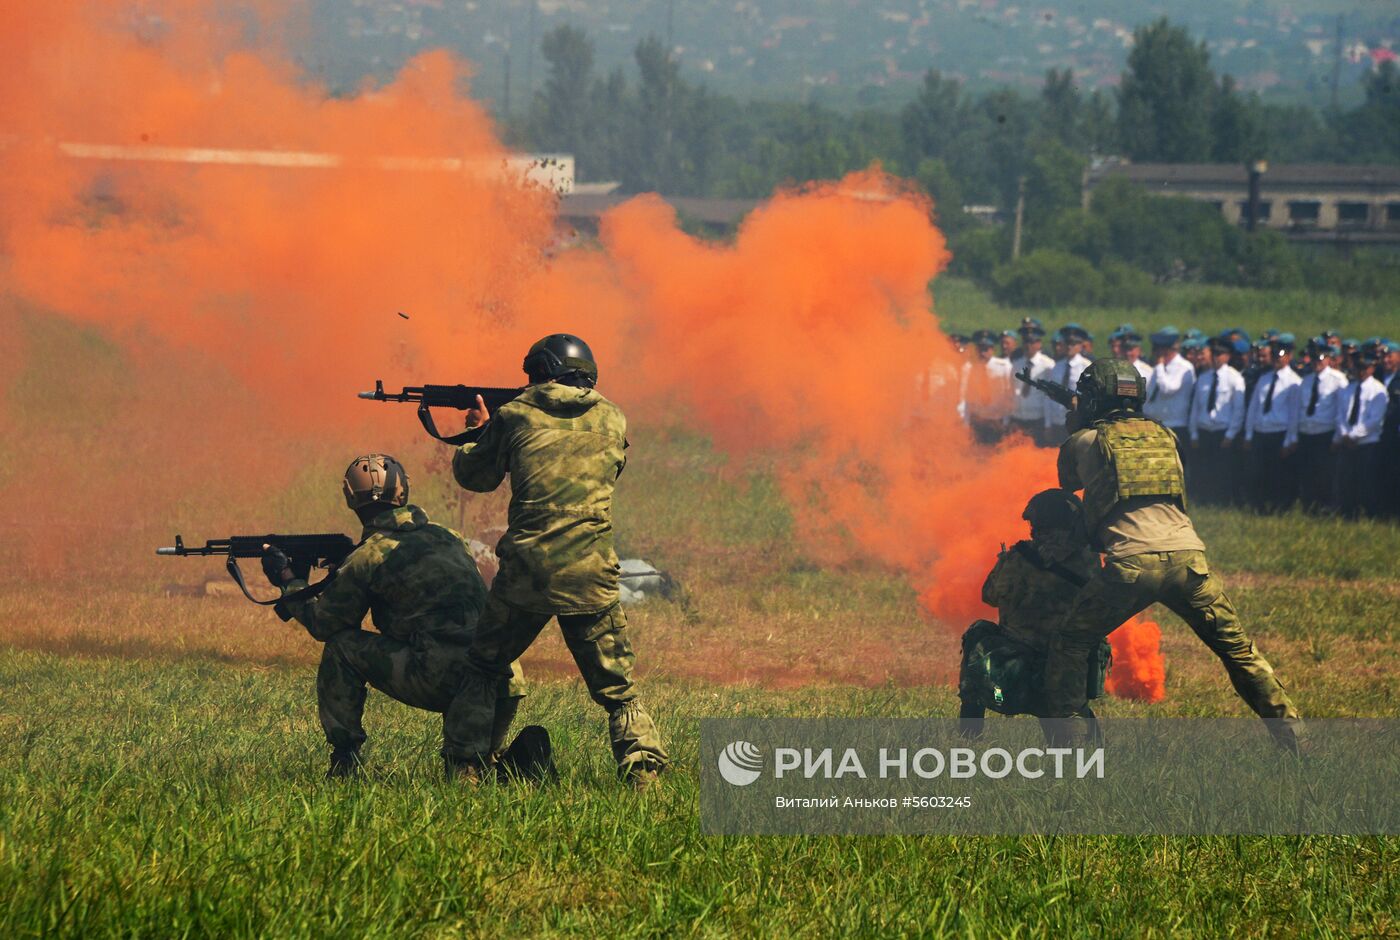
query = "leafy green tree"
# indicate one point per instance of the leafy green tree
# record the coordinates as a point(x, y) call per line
point(1048, 278)
point(1236, 124)
point(1297, 134)
point(561, 116)
point(1061, 109)
point(1169, 238)
point(933, 177)
point(1054, 181)
point(1099, 123)
point(1000, 148)
point(929, 121)
point(1164, 101)
point(979, 249)
point(1371, 132)
point(1077, 231)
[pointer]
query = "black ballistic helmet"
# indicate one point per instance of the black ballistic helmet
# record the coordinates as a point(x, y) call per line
point(561, 357)
point(1053, 509)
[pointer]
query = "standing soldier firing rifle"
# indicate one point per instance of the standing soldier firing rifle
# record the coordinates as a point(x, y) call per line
point(562, 444)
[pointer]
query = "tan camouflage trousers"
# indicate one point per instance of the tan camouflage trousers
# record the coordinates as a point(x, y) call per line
point(604, 658)
point(424, 674)
point(1184, 583)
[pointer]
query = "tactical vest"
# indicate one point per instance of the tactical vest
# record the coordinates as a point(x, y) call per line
point(1140, 459)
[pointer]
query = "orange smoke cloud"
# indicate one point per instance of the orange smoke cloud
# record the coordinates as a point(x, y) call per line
point(1139, 671)
point(807, 342)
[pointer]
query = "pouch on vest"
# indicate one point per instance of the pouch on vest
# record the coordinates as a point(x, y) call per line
point(1140, 459)
point(1005, 676)
point(1100, 662)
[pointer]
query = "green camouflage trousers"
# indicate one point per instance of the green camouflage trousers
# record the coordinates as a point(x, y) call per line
point(1184, 583)
point(425, 674)
point(604, 657)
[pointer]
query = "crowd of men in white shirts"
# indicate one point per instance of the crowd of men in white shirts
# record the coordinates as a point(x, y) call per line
point(1260, 423)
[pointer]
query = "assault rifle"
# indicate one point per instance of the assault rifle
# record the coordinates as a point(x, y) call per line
point(303, 551)
point(460, 397)
point(1061, 394)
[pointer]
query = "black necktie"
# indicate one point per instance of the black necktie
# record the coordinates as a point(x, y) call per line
point(1269, 395)
point(1355, 407)
point(1312, 399)
point(1210, 402)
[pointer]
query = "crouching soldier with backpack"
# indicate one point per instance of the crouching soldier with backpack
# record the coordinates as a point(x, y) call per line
point(1032, 587)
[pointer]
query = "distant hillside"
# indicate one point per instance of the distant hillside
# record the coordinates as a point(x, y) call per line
point(863, 51)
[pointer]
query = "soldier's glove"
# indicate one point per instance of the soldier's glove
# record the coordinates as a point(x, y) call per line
point(275, 565)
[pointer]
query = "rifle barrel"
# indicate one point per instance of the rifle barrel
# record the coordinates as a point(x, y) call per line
point(167, 551)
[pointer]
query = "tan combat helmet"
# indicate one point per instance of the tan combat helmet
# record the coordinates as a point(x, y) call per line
point(375, 478)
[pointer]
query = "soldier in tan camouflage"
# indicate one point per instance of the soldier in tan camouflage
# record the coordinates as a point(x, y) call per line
point(1032, 586)
point(562, 443)
point(424, 595)
point(1135, 512)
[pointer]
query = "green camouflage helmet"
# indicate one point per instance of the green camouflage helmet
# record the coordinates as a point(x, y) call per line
point(1109, 385)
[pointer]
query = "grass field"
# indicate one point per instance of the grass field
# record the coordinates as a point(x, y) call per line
point(160, 760)
point(965, 307)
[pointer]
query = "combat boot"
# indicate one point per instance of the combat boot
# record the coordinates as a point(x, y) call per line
point(345, 764)
point(529, 758)
point(467, 771)
point(643, 778)
point(972, 719)
point(1288, 735)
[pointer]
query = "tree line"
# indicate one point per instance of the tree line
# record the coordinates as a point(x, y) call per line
point(657, 131)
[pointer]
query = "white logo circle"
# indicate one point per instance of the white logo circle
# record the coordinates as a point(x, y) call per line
point(741, 763)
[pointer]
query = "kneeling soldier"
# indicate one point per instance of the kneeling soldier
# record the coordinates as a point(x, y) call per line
point(424, 594)
point(1032, 587)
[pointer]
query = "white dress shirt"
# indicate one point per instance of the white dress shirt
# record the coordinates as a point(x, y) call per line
point(1067, 373)
point(1370, 415)
point(1330, 383)
point(1030, 401)
point(989, 389)
point(1143, 368)
point(1169, 392)
point(1283, 405)
point(1228, 413)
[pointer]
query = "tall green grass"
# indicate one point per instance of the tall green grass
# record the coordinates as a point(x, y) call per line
point(185, 800)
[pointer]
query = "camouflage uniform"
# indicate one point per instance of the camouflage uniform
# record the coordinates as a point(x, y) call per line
point(1135, 512)
point(424, 595)
point(1032, 585)
point(564, 449)
point(1031, 599)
